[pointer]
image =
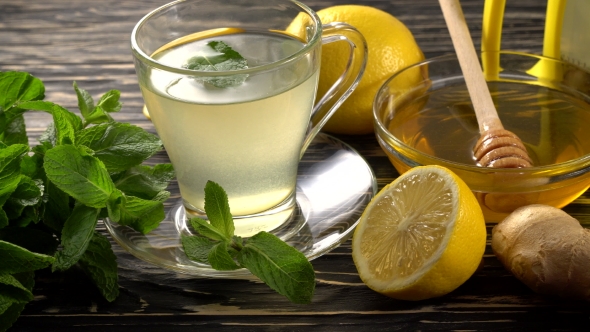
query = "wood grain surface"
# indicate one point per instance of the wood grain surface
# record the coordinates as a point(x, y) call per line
point(61, 41)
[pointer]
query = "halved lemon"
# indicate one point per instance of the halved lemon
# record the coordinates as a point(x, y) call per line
point(421, 236)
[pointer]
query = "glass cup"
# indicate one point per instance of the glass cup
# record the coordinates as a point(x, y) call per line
point(247, 128)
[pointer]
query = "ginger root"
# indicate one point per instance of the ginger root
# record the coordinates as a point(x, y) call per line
point(546, 249)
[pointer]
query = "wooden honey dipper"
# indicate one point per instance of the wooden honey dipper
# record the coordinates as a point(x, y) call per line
point(497, 147)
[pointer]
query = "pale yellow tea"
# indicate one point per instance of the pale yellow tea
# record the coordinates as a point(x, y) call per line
point(246, 138)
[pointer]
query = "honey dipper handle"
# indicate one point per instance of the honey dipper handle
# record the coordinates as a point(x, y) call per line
point(485, 111)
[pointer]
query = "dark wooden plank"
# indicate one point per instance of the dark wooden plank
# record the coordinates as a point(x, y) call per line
point(61, 41)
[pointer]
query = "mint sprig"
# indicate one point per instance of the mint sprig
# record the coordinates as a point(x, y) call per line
point(282, 267)
point(52, 194)
point(225, 59)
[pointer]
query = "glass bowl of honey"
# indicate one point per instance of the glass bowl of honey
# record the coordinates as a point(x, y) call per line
point(423, 115)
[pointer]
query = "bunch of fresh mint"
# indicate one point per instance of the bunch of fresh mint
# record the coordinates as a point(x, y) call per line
point(52, 195)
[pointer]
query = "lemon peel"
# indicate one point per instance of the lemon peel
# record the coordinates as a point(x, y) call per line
point(391, 47)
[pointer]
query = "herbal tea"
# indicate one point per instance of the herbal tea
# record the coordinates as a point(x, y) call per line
point(553, 126)
point(248, 137)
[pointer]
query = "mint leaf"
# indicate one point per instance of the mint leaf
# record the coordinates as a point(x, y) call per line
point(66, 123)
point(49, 136)
point(217, 209)
point(5, 303)
point(119, 145)
point(10, 125)
point(76, 235)
point(109, 102)
point(9, 315)
point(85, 101)
point(30, 214)
point(79, 174)
point(10, 158)
point(197, 248)
point(226, 59)
point(11, 287)
point(15, 131)
point(16, 259)
point(207, 230)
point(144, 181)
point(162, 196)
point(114, 206)
point(29, 166)
point(280, 266)
point(57, 207)
point(8, 185)
point(27, 193)
point(140, 214)
point(220, 259)
point(32, 166)
point(100, 264)
point(16, 87)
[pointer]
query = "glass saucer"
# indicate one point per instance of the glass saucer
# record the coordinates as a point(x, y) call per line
point(334, 185)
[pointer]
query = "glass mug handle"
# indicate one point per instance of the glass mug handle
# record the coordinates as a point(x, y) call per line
point(346, 83)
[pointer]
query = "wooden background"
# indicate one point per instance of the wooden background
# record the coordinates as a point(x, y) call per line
point(61, 41)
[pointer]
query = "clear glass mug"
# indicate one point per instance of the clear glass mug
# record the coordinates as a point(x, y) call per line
point(244, 129)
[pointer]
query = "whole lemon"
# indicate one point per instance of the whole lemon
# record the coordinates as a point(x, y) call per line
point(391, 47)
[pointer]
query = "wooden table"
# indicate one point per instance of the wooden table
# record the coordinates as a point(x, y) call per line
point(61, 41)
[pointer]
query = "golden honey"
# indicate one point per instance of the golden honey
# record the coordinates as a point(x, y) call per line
point(438, 126)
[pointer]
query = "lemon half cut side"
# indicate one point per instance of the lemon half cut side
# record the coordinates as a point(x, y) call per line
point(421, 236)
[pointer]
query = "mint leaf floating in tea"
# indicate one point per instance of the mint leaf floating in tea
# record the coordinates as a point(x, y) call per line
point(224, 59)
point(282, 267)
